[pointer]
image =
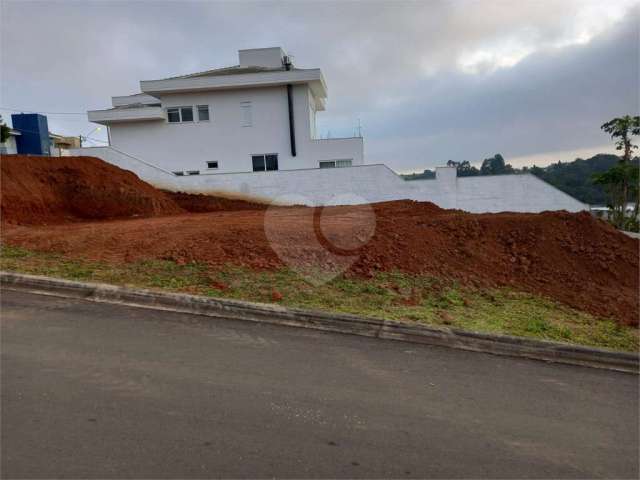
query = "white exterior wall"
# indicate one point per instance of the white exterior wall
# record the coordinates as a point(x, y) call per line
point(360, 184)
point(188, 146)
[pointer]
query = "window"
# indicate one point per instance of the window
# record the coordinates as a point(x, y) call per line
point(178, 173)
point(272, 162)
point(203, 113)
point(187, 114)
point(179, 114)
point(263, 163)
point(246, 117)
point(193, 172)
point(335, 163)
point(212, 164)
point(258, 163)
point(173, 115)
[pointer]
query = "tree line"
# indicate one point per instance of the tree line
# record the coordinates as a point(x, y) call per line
point(574, 178)
point(603, 179)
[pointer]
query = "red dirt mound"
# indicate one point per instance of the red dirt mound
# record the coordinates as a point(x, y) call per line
point(572, 258)
point(200, 203)
point(42, 190)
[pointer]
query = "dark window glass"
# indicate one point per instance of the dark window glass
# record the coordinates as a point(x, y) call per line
point(271, 162)
point(173, 115)
point(193, 172)
point(258, 163)
point(327, 164)
point(203, 113)
point(178, 173)
point(187, 114)
point(212, 164)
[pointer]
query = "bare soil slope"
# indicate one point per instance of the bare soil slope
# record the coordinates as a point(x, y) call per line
point(38, 190)
point(573, 258)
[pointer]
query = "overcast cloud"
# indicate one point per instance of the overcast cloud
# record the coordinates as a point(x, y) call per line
point(429, 81)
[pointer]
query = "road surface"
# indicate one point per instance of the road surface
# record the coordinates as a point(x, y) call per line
point(103, 391)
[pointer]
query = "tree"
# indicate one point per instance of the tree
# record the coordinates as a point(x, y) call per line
point(464, 169)
point(4, 131)
point(495, 166)
point(623, 128)
point(621, 180)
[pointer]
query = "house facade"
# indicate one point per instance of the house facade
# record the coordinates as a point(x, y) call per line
point(258, 116)
point(249, 131)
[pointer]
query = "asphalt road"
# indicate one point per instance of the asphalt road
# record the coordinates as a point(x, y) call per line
point(95, 390)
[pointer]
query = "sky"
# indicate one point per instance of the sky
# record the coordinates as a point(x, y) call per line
point(428, 81)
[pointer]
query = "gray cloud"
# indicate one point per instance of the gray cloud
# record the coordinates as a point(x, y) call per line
point(429, 80)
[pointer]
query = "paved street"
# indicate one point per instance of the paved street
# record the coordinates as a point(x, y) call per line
point(95, 390)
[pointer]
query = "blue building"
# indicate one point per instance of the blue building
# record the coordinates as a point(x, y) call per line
point(34, 133)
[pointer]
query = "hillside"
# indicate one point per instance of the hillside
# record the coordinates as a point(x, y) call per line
point(575, 178)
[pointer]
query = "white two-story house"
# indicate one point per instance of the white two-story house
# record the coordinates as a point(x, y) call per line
point(257, 116)
point(249, 131)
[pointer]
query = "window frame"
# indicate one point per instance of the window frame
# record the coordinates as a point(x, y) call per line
point(179, 108)
point(190, 107)
point(334, 163)
point(208, 113)
point(264, 162)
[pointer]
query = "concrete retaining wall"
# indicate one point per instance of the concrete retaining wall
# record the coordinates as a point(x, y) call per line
point(358, 184)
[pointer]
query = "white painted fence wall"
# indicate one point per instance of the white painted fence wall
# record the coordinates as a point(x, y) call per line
point(358, 184)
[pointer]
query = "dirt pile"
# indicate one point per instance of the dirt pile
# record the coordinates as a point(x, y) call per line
point(37, 190)
point(572, 258)
point(199, 203)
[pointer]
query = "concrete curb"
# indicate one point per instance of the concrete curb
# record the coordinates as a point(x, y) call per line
point(341, 323)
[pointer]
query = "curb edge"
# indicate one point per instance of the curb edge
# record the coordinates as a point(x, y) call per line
point(333, 322)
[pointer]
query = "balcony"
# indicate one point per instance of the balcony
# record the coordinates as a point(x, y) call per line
point(133, 114)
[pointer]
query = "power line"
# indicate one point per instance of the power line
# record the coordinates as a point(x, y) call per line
point(46, 113)
point(84, 137)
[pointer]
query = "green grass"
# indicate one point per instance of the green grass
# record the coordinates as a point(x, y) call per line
point(395, 296)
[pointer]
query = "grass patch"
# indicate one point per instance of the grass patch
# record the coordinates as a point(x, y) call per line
point(394, 295)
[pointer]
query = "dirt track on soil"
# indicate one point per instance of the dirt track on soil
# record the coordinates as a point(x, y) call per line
point(571, 258)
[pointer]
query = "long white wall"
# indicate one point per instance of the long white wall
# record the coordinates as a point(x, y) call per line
point(189, 146)
point(359, 184)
